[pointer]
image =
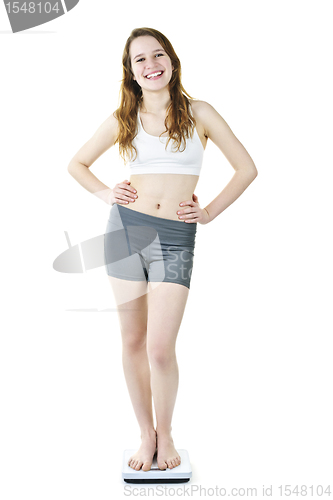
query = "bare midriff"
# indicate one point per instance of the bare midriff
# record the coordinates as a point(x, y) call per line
point(160, 194)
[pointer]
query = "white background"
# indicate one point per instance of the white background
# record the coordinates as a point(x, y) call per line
point(254, 405)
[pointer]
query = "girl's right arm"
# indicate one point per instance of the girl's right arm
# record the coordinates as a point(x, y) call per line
point(79, 165)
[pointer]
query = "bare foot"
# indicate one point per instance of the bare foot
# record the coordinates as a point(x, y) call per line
point(144, 456)
point(167, 455)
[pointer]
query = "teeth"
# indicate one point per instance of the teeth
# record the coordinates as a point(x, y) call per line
point(154, 74)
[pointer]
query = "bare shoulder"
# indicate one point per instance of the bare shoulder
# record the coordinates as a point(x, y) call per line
point(107, 132)
point(109, 126)
point(200, 107)
point(219, 132)
point(104, 137)
point(206, 115)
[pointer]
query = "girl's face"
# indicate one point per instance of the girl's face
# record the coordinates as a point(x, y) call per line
point(151, 65)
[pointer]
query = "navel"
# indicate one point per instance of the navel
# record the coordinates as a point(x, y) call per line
point(158, 205)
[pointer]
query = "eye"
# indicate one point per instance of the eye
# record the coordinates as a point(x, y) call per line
point(142, 58)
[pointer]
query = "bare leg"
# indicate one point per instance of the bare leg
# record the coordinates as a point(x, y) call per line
point(166, 304)
point(133, 324)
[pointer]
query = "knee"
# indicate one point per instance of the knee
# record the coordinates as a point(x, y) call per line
point(161, 356)
point(134, 340)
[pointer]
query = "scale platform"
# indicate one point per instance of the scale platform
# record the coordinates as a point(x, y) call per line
point(180, 474)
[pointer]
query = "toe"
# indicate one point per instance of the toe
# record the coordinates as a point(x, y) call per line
point(146, 466)
point(138, 465)
point(162, 465)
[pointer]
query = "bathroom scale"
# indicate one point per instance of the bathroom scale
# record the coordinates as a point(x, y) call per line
point(180, 474)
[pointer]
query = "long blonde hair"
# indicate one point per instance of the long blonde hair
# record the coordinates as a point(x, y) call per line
point(179, 121)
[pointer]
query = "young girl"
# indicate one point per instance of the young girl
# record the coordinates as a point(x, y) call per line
point(150, 234)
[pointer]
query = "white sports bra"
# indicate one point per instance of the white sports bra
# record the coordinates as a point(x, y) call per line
point(154, 158)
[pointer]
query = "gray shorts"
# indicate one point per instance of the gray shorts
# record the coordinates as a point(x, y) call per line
point(142, 247)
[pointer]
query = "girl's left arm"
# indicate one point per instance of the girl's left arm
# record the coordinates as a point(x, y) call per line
point(218, 131)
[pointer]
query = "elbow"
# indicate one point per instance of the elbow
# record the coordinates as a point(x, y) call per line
point(253, 172)
point(247, 169)
point(250, 172)
point(72, 166)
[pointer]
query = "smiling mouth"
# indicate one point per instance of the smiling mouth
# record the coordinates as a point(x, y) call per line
point(154, 76)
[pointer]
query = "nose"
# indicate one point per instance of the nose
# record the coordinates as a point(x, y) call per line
point(150, 62)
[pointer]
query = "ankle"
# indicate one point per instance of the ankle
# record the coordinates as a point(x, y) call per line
point(147, 433)
point(163, 432)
